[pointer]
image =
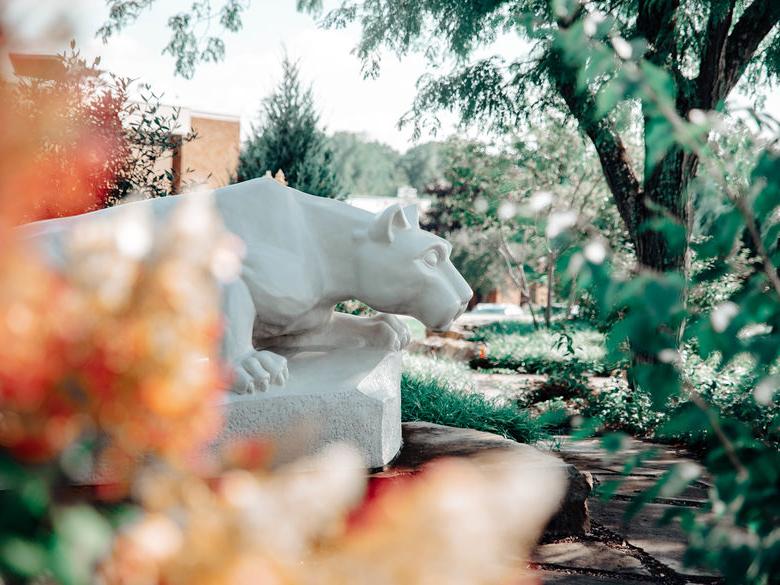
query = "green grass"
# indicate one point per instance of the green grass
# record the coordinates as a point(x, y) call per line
point(515, 345)
point(438, 391)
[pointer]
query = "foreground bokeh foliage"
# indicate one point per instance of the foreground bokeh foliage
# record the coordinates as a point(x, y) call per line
point(110, 383)
point(703, 219)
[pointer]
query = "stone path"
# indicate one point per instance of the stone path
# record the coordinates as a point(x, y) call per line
point(506, 387)
point(612, 551)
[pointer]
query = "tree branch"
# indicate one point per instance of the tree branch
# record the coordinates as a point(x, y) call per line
point(615, 162)
point(709, 83)
point(754, 25)
point(655, 22)
point(517, 275)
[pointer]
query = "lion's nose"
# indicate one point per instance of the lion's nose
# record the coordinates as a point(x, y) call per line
point(464, 291)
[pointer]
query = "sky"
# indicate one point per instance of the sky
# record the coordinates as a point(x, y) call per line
point(251, 68)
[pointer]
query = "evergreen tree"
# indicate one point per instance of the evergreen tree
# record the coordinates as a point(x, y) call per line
point(288, 139)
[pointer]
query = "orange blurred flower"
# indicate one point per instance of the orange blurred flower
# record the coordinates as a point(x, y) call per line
point(470, 522)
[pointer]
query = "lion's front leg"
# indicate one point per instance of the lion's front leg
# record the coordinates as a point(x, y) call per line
point(253, 370)
point(351, 332)
point(384, 330)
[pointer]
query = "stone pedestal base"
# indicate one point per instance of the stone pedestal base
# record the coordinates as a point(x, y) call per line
point(345, 395)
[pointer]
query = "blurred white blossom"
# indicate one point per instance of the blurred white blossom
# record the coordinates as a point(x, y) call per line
point(595, 251)
point(540, 200)
point(559, 222)
point(764, 392)
point(592, 21)
point(722, 315)
point(622, 47)
point(506, 210)
point(697, 116)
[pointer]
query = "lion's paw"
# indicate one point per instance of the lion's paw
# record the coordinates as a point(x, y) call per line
point(389, 332)
point(257, 370)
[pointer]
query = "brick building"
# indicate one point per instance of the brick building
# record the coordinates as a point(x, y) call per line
point(210, 160)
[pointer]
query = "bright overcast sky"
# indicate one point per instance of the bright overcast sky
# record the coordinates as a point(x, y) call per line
point(252, 65)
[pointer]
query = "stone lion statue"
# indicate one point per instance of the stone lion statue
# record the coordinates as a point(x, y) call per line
point(304, 254)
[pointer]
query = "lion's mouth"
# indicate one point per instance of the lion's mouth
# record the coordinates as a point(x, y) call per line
point(445, 325)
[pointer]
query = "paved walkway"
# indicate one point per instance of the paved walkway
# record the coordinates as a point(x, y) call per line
point(615, 552)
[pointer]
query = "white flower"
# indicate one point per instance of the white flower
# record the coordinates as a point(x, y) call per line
point(697, 116)
point(576, 262)
point(669, 356)
point(622, 48)
point(157, 536)
point(480, 205)
point(688, 470)
point(559, 222)
point(722, 315)
point(506, 210)
point(595, 251)
point(764, 392)
point(540, 200)
point(592, 22)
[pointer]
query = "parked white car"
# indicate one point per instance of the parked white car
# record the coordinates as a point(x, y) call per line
point(505, 309)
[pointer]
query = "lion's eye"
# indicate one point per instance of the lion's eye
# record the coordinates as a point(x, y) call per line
point(432, 258)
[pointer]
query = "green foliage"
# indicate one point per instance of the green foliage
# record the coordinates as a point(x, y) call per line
point(575, 60)
point(517, 346)
point(191, 41)
point(619, 408)
point(288, 139)
point(42, 532)
point(728, 390)
point(724, 396)
point(366, 167)
point(501, 205)
point(590, 63)
point(439, 392)
point(423, 165)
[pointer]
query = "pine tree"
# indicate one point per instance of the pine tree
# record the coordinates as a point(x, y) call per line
point(288, 139)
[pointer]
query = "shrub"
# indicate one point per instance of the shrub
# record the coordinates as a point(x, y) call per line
point(729, 391)
point(95, 146)
point(620, 408)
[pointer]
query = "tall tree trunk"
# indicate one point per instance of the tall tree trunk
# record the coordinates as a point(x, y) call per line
point(728, 47)
point(665, 197)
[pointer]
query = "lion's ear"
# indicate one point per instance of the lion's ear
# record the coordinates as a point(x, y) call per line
point(412, 215)
point(386, 223)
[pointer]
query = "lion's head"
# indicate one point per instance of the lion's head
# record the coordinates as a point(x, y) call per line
point(404, 270)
